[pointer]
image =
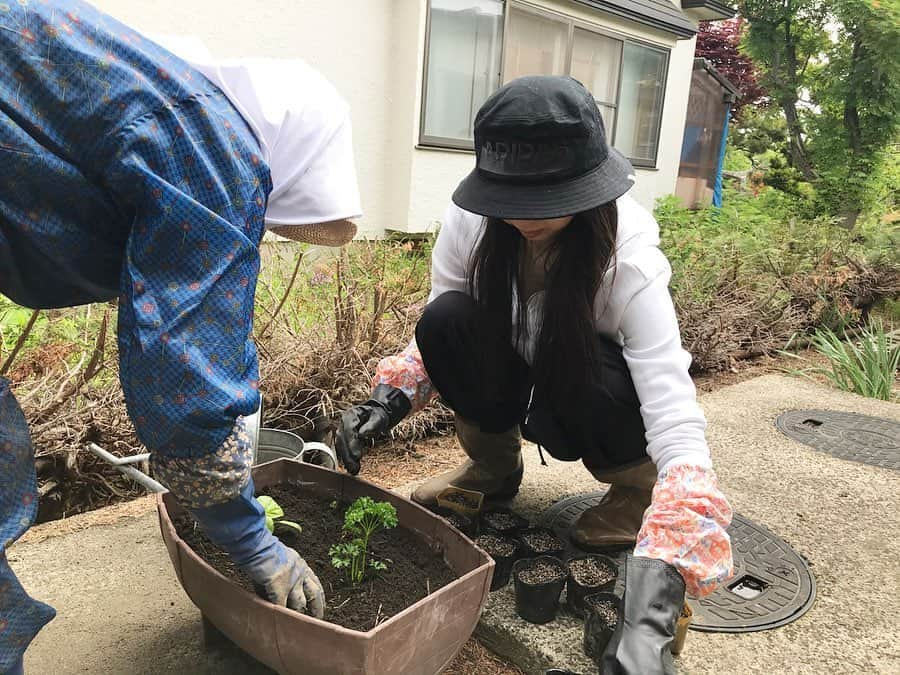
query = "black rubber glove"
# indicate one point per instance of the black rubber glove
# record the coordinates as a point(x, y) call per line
point(386, 407)
point(642, 643)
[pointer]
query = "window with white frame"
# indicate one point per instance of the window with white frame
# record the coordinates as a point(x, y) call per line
point(463, 67)
point(466, 39)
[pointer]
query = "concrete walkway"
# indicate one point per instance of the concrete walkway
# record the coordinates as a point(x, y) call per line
point(121, 610)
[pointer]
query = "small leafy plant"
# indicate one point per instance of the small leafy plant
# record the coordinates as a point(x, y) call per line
point(364, 517)
point(275, 515)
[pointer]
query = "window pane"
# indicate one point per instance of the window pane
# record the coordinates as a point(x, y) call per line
point(595, 63)
point(640, 102)
point(536, 45)
point(463, 65)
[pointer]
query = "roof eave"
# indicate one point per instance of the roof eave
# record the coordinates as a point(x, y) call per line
point(682, 30)
point(708, 10)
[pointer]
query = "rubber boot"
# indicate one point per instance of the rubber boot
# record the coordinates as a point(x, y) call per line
point(617, 519)
point(494, 466)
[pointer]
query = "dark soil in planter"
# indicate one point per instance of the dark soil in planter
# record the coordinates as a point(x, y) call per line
point(503, 521)
point(415, 569)
point(539, 541)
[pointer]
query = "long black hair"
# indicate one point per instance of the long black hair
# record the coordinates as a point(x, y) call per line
point(565, 361)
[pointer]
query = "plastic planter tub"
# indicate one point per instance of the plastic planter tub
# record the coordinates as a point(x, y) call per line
point(421, 640)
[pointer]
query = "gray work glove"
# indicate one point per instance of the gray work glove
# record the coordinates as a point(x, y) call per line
point(238, 527)
point(288, 581)
point(384, 409)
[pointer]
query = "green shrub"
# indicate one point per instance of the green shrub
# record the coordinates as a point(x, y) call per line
point(736, 159)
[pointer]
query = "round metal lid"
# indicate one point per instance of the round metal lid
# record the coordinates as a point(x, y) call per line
point(858, 438)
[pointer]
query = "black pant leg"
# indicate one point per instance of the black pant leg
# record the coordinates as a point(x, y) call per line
point(477, 373)
point(604, 427)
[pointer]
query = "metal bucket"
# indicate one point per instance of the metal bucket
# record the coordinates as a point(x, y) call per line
point(277, 444)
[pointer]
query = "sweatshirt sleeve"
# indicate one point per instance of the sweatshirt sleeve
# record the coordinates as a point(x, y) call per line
point(686, 522)
point(675, 425)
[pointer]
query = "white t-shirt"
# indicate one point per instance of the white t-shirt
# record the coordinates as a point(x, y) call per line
point(303, 127)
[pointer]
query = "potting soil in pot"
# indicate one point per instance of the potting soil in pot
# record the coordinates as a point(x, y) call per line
point(541, 541)
point(496, 547)
point(605, 610)
point(590, 572)
point(462, 500)
point(540, 572)
point(461, 523)
point(413, 572)
point(503, 521)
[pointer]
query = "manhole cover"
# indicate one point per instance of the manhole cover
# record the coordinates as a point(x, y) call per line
point(771, 586)
point(858, 438)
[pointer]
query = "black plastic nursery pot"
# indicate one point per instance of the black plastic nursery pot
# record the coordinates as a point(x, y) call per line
point(460, 521)
point(537, 541)
point(503, 521)
point(504, 551)
point(538, 583)
point(588, 574)
point(600, 619)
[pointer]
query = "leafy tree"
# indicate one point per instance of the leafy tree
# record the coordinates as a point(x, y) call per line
point(832, 67)
point(857, 89)
point(759, 130)
point(718, 42)
point(784, 38)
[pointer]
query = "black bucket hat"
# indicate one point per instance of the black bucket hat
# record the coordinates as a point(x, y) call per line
point(541, 152)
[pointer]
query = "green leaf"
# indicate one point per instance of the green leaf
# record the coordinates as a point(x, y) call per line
point(271, 506)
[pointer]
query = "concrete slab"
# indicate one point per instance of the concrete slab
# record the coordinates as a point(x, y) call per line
point(121, 610)
point(844, 517)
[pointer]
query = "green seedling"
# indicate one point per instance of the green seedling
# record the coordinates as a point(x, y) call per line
point(364, 517)
point(275, 515)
